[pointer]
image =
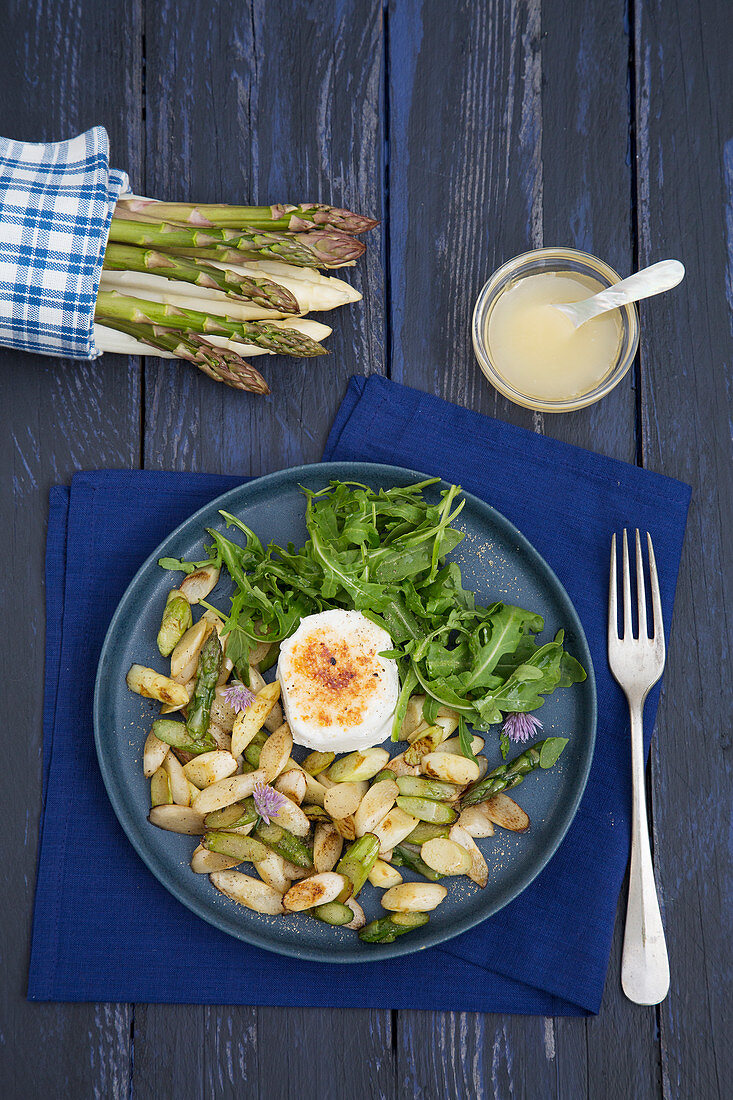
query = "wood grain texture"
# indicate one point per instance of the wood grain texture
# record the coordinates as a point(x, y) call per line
point(275, 102)
point(468, 1054)
point(622, 1041)
point(505, 126)
point(521, 116)
point(465, 179)
point(685, 188)
point(587, 187)
point(325, 1052)
point(56, 80)
point(496, 112)
point(586, 178)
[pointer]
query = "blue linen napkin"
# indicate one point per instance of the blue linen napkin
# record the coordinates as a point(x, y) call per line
point(56, 203)
point(547, 952)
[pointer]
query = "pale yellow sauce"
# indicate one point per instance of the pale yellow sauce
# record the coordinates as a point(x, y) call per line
point(537, 350)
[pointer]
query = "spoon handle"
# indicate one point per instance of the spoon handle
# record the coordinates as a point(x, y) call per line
point(651, 280)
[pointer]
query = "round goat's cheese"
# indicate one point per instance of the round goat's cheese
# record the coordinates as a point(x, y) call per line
point(337, 692)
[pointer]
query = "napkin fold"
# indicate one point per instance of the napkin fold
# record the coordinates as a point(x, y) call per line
point(547, 952)
point(56, 204)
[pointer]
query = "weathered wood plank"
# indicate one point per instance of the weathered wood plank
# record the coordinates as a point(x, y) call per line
point(58, 79)
point(501, 157)
point(587, 183)
point(465, 179)
point(175, 1055)
point(501, 109)
point(464, 101)
point(278, 101)
point(623, 1039)
point(504, 104)
point(685, 194)
point(467, 1054)
point(586, 178)
point(281, 101)
point(325, 1052)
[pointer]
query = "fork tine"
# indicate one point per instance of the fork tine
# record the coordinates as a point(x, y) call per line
point(658, 622)
point(612, 595)
point(628, 622)
point(640, 589)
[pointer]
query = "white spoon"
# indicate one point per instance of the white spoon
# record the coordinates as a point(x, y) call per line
point(650, 280)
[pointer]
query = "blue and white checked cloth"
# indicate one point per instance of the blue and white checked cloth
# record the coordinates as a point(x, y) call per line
point(56, 203)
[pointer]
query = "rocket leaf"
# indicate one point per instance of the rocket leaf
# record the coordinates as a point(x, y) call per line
point(384, 553)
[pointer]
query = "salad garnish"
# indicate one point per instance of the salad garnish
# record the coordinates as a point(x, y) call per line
point(267, 801)
point(239, 697)
point(518, 727)
point(385, 553)
point(331, 823)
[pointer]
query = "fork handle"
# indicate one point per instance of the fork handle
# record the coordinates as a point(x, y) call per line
point(644, 964)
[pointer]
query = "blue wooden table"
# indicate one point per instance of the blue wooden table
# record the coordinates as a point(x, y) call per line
point(475, 130)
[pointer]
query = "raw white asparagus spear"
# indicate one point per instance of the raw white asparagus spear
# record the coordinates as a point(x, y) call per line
point(155, 288)
point(327, 293)
point(120, 343)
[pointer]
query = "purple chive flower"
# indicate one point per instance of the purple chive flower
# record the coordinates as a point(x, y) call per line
point(267, 801)
point(239, 697)
point(521, 727)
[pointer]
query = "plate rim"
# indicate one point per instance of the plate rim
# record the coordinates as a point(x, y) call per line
point(364, 952)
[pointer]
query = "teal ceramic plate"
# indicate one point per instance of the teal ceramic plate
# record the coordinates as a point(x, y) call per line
point(498, 564)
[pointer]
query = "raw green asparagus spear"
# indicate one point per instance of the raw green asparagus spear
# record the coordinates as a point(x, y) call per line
point(285, 844)
point(319, 248)
point(177, 736)
point(199, 709)
point(176, 620)
point(224, 254)
point(218, 363)
point(358, 860)
point(112, 306)
point(280, 216)
point(333, 912)
point(385, 929)
point(263, 292)
point(404, 855)
point(542, 755)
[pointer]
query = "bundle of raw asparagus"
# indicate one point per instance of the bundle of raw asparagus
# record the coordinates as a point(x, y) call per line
point(215, 284)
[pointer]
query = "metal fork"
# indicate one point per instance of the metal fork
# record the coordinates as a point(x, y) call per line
point(637, 664)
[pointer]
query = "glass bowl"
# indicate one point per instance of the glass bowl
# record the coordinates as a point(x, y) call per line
point(532, 263)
